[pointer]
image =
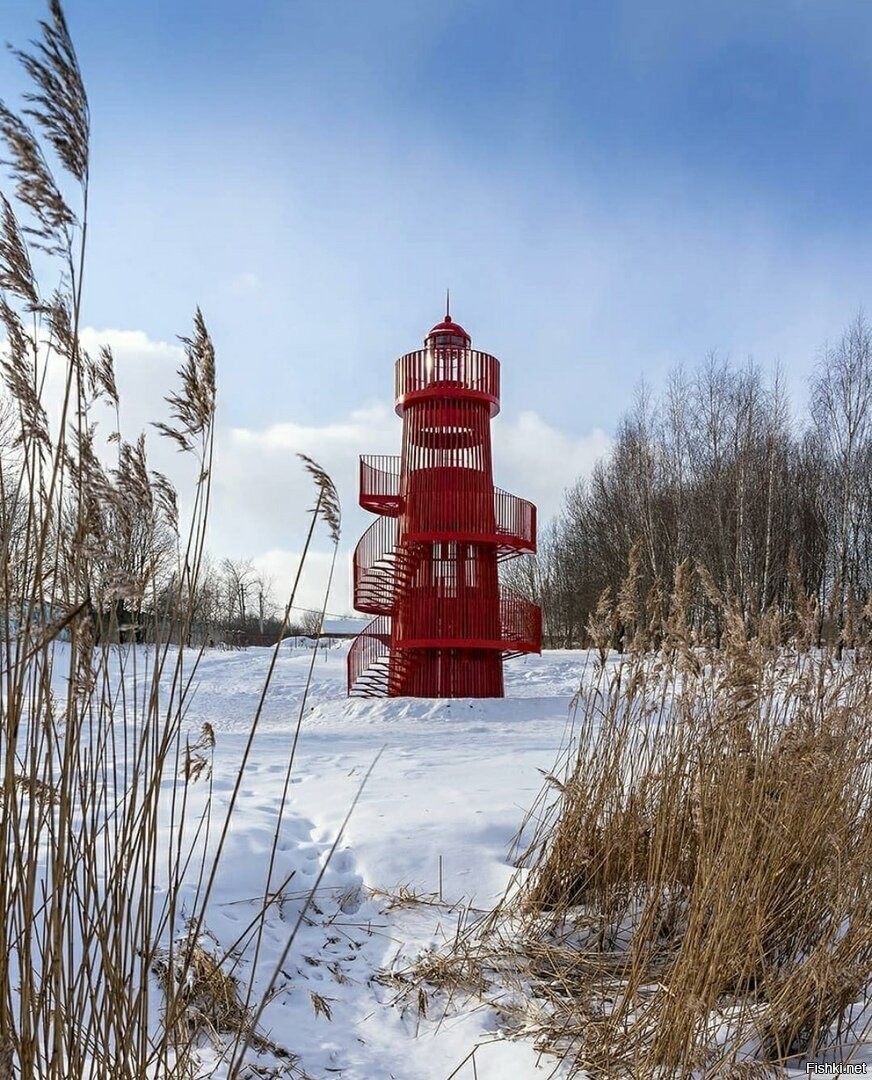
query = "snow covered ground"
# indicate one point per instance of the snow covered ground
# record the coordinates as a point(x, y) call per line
point(448, 787)
point(448, 792)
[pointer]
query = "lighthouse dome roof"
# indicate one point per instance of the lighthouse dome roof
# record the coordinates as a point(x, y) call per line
point(448, 332)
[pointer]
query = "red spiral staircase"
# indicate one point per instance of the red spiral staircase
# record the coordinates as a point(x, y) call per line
point(427, 568)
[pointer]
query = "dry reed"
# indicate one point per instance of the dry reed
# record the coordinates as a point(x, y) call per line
point(102, 972)
point(695, 896)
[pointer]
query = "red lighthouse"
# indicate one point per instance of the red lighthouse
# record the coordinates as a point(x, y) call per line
point(427, 567)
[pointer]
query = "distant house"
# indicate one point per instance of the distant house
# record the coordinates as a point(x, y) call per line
point(343, 628)
point(333, 630)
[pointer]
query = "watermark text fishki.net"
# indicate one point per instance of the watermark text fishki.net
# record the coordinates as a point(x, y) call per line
point(838, 1068)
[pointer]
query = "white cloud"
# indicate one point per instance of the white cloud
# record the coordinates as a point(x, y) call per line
point(280, 568)
point(541, 461)
point(247, 282)
point(261, 492)
point(132, 344)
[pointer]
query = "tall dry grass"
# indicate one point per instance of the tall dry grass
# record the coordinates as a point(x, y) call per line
point(104, 971)
point(695, 899)
point(700, 896)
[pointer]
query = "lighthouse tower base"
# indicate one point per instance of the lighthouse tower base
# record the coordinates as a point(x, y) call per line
point(448, 673)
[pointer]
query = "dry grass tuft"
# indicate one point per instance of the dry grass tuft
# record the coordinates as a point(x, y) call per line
point(58, 102)
point(206, 1002)
point(327, 504)
point(205, 997)
point(42, 793)
point(321, 1005)
point(193, 407)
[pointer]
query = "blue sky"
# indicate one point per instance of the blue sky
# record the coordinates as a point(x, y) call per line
point(609, 190)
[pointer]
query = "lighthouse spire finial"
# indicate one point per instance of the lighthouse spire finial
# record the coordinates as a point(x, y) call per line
point(448, 305)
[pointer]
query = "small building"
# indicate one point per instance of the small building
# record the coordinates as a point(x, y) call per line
point(332, 632)
point(342, 629)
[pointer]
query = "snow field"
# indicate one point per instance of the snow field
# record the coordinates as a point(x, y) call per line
point(445, 797)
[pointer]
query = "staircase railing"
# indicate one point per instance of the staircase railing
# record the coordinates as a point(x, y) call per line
point(380, 483)
point(520, 622)
point(372, 669)
point(366, 675)
point(516, 521)
point(382, 569)
point(373, 567)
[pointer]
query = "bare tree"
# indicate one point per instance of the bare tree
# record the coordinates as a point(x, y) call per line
point(841, 413)
point(266, 604)
point(713, 472)
point(240, 588)
point(310, 623)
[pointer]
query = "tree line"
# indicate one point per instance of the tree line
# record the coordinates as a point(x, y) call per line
point(716, 472)
point(137, 572)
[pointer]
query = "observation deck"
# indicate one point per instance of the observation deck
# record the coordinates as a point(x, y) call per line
point(447, 371)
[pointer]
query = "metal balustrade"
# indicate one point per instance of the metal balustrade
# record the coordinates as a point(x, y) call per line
point(380, 492)
point(368, 659)
point(383, 567)
point(375, 576)
point(515, 520)
point(380, 483)
point(373, 669)
point(450, 368)
point(520, 622)
point(463, 622)
point(458, 515)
